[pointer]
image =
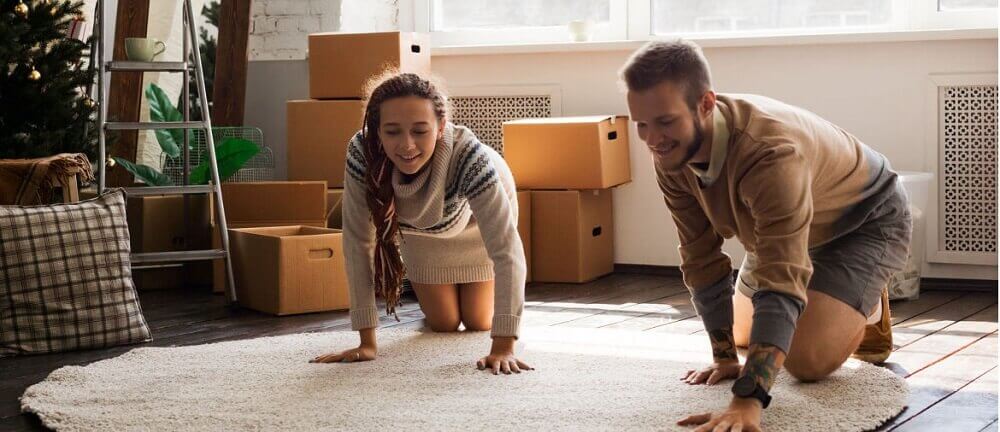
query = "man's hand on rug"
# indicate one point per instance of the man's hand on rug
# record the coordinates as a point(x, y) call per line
point(361, 353)
point(743, 415)
point(718, 371)
point(501, 358)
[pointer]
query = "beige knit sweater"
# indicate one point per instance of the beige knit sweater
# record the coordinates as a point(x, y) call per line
point(466, 189)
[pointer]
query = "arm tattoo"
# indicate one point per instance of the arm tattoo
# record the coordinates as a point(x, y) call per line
point(762, 365)
point(723, 344)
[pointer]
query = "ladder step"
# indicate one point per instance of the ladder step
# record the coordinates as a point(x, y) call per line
point(178, 256)
point(169, 190)
point(138, 66)
point(154, 125)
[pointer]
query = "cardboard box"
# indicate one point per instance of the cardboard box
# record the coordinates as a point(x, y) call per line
point(290, 269)
point(568, 152)
point(572, 235)
point(524, 226)
point(318, 133)
point(157, 223)
point(268, 204)
point(340, 64)
point(334, 208)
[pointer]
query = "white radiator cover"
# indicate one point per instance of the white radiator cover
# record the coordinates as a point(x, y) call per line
point(962, 227)
point(485, 109)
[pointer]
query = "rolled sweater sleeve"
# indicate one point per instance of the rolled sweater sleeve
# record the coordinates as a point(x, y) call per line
point(495, 210)
point(707, 270)
point(777, 190)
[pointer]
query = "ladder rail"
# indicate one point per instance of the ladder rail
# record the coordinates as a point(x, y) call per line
point(102, 97)
point(210, 144)
point(190, 50)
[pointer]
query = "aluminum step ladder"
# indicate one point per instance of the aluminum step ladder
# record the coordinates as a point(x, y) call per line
point(105, 68)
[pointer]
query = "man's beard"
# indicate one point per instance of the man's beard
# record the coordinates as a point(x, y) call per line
point(693, 146)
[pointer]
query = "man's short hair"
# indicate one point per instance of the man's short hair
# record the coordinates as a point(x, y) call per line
point(679, 61)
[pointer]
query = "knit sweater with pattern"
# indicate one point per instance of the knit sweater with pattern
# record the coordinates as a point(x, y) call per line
point(466, 186)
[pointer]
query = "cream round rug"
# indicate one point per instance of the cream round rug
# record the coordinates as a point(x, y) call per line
point(585, 380)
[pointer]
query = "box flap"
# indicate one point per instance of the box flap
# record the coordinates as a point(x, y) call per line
point(564, 120)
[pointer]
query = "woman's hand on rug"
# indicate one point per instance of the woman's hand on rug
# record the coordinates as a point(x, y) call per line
point(361, 353)
point(501, 358)
point(743, 415)
point(718, 371)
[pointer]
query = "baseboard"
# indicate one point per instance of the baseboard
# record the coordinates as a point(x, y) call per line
point(941, 284)
point(937, 284)
point(653, 270)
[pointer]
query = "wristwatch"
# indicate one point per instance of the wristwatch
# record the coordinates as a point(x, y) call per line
point(746, 387)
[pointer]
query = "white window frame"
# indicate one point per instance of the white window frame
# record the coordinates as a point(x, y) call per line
point(427, 19)
point(631, 20)
point(927, 16)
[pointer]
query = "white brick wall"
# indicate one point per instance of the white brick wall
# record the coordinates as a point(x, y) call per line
point(279, 28)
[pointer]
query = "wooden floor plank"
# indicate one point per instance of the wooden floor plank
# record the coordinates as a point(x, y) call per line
point(971, 408)
point(903, 310)
point(922, 353)
point(939, 380)
point(992, 427)
point(658, 313)
point(621, 307)
point(911, 330)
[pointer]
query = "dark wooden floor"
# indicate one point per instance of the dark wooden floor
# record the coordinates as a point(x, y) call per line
point(946, 342)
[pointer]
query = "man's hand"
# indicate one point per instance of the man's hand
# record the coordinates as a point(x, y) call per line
point(718, 371)
point(742, 415)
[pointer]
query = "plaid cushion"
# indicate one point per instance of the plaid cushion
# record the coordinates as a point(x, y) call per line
point(65, 278)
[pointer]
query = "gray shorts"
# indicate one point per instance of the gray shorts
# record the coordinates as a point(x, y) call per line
point(857, 266)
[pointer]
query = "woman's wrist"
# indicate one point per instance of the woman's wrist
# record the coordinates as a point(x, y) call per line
point(503, 344)
point(368, 338)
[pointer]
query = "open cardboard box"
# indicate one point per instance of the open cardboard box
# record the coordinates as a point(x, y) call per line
point(289, 269)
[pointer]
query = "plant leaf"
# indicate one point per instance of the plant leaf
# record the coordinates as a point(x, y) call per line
point(145, 173)
point(162, 110)
point(231, 154)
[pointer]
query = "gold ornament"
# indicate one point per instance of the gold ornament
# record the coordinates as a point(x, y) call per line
point(34, 75)
point(21, 10)
point(88, 102)
point(111, 162)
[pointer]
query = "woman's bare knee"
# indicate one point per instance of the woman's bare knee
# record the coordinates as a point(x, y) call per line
point(443, 324)
point(477, 323)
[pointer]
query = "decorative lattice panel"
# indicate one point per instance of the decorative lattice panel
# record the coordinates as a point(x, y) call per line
point(485, 114)
point(968, 168)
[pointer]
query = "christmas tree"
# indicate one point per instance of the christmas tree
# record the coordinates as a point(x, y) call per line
point(44, 109)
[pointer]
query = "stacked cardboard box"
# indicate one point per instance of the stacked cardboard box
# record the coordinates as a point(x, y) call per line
point(569, 164)
point(340, 66)
point(170, 223)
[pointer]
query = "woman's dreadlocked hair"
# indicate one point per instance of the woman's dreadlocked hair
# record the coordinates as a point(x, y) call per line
point(388, 265)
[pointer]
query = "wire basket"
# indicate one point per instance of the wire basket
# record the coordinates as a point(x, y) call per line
point(258, 168)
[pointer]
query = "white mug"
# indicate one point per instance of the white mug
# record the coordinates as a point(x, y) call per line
point(580, 30)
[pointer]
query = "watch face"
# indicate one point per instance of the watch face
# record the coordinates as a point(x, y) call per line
point(744, 386)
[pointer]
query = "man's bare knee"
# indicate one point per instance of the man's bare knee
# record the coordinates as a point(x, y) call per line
point(812, 366)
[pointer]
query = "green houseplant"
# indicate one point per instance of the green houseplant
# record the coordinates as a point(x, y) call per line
point(231, 154)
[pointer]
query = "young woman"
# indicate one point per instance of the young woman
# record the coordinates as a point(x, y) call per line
point(424, 192)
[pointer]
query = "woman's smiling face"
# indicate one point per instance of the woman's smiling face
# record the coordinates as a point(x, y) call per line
point(409, 130)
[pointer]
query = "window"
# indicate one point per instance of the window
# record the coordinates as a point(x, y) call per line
point(473, 22)
point(498, 14)
point(724, 16)
point(506, 22)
